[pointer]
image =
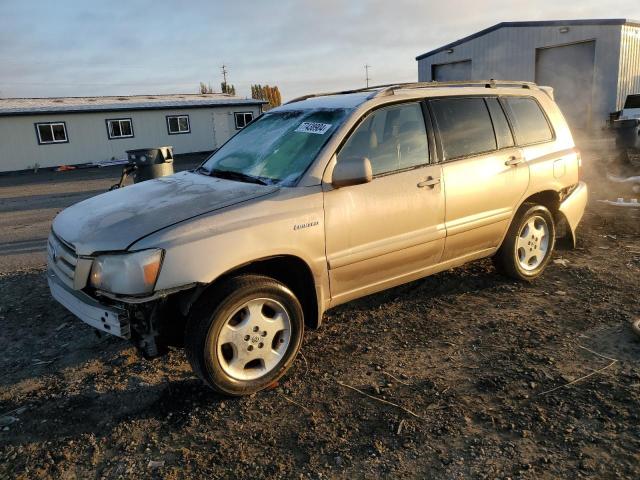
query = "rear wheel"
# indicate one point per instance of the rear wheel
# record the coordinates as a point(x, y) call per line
point(528, 245)
point(245, 336)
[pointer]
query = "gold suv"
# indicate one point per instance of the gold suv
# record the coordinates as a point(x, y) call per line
point(323, 200)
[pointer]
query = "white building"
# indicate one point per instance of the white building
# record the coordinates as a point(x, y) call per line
point(591, 64)
point(48, 132)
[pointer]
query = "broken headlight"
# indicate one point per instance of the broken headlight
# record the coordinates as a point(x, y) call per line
point(127, 273)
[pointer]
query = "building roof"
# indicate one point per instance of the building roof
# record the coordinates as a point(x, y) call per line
point(541, 23)
point(35, 106)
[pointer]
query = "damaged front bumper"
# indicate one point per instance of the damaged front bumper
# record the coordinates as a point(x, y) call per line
point(572, 208)
point(108, 319)
point(149, 324)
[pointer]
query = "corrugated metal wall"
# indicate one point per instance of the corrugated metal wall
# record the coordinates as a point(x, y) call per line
point(629, 77)
point(510, 53)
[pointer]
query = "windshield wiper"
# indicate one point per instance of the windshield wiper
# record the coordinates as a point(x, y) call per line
point(243, 177)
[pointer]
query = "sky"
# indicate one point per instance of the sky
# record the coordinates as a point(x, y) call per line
point(77, 48)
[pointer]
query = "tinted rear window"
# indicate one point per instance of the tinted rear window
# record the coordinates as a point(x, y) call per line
point(633, 101)
point(464, 125)
point(500, 124)
point(529, 122)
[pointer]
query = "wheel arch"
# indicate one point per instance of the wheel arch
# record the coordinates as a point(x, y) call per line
point(551, 199)
point(565, 236)
point(291, 270)
point(547, 198)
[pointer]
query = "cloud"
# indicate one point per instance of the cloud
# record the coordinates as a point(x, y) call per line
point(88, 48)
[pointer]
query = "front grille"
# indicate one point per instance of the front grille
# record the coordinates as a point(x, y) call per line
point(62, 259)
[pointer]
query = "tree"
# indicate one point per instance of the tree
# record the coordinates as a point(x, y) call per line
point(228, 88)
point(267, 93)
point(205, 88)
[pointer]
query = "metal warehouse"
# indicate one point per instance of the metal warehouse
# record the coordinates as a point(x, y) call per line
point(591, 64)
point(48, 132)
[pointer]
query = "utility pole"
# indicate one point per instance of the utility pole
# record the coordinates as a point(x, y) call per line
point(366, 74)
point(224, 73)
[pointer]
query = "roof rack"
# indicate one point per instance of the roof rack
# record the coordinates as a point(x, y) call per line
point(389, 89)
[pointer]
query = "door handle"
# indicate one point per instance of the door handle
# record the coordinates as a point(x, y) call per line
point(513, 161)
point(429, 182)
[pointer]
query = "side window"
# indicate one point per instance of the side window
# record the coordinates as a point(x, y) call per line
point(530, 124)
point(392, 138)
point(465, 126)
point(500, 124)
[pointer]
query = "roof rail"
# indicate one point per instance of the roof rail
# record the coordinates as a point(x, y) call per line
point(326, 94)
point(389, 89)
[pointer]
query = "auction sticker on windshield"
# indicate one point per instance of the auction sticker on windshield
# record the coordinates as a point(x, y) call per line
point(313, 127)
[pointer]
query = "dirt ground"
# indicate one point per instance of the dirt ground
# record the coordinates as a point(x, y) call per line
point(465, 374)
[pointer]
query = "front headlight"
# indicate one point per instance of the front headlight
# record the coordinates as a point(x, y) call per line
point(127, 273)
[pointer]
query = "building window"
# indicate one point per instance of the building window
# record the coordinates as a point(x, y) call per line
point(177, 124)
point(51, 133)
point(120, 128)
point(242, 119)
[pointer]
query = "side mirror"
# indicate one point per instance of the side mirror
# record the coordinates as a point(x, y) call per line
point(351, 171)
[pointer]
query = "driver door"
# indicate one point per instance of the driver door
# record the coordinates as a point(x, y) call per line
point(390, 230)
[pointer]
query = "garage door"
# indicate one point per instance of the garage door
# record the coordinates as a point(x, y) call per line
point(447, 72)
point(569, 70)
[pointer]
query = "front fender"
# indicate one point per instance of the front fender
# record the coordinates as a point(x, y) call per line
point(291, 222)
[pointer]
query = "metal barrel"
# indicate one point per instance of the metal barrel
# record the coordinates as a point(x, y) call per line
point(151, 162)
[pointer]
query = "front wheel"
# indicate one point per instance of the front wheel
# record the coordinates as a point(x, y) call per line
point(245, 336)
point(528, 245)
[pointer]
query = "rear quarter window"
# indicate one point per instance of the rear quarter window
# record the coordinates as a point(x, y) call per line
point(529, 122)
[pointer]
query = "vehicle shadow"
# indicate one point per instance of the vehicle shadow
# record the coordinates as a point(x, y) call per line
point(474, 277)
point(93, 412)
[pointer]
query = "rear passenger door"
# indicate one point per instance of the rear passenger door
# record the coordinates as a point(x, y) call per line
point(484, 174)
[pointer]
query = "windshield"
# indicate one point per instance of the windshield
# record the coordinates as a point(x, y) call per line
point(277, 148)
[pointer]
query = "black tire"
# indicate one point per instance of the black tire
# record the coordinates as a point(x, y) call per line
point(214, 309)
point(507, 259)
